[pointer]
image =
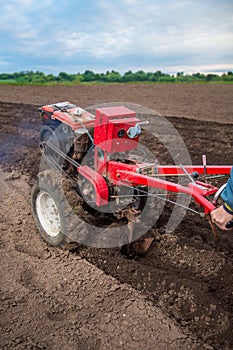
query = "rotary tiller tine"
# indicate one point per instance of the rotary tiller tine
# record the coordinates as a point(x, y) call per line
point(213, 228)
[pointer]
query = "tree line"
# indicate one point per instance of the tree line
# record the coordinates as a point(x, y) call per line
point(31, 77)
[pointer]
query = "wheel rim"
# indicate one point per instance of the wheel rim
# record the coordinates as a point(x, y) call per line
point(48, 214)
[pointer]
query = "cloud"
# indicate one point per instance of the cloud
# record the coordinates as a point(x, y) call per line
point(117, 34)
point(3, 63)
point(21, 24)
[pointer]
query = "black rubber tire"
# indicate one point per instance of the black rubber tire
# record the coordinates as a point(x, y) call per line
point(48, 132)
point(73, 231)
point(45, 132)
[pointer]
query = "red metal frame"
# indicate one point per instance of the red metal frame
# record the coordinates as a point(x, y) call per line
point(75, 117)
point(107, 123)
point(98, 182)
point(210, 169)
point(120, 173)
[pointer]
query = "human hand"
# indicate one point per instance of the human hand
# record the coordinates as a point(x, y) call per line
point(220, 217)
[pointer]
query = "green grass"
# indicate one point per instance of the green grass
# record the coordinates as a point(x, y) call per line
point(64, 83)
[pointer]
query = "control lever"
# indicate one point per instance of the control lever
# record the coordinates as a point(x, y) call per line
point(204, 165)
point(136, 130)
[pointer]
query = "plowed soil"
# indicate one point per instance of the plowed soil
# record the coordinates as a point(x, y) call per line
point(178, 296)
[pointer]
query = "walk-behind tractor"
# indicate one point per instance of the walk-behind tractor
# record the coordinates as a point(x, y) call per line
point(99, 154)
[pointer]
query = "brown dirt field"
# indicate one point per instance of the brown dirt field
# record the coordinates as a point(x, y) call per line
point(201, 102)
point(179, 296)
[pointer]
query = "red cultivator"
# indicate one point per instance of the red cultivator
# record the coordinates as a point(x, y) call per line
point(96, 152)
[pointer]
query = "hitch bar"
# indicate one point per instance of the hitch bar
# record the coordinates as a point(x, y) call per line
point(124, 172)
point(119, 172)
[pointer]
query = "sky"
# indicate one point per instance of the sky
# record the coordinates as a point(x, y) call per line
point(72, 36)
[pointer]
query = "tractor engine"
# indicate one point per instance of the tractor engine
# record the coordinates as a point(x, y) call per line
point(82, 144)
point(116, 129)
point(112, 129)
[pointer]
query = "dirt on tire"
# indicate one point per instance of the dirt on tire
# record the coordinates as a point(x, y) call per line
point(186, 273)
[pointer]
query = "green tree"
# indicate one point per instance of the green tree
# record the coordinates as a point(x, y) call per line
point(128, 76)
point(65, 77)
point(212, 77)
point(89, 76)
point(140, 76)
point(113, 76)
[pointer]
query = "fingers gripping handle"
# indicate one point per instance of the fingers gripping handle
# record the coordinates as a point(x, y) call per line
point(216, 197)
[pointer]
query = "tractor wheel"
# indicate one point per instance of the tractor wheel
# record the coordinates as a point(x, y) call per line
point(49, 133)
point(57, 223)
point(46, 132)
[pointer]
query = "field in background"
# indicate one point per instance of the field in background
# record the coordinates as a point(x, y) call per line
point(46, 299)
